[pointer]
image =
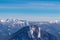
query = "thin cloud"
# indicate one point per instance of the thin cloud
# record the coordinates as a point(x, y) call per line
point(33, 5)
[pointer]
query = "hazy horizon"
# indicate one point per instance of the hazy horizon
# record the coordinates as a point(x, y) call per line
point(35, 10)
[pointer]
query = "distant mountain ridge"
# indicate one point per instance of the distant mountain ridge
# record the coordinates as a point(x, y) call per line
point(9, 27)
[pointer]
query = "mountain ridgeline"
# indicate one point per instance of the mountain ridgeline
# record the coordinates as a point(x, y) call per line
point(28, 30)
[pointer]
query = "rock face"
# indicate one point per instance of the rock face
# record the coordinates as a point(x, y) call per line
point(25, 34)
point(8, 27)
point(19, 30)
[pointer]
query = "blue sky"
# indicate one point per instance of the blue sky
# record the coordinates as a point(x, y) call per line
point(35, 10)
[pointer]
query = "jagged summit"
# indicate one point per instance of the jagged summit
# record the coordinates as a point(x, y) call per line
point(11, 26)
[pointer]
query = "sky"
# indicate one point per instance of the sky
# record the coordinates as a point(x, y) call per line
point(34, 10)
